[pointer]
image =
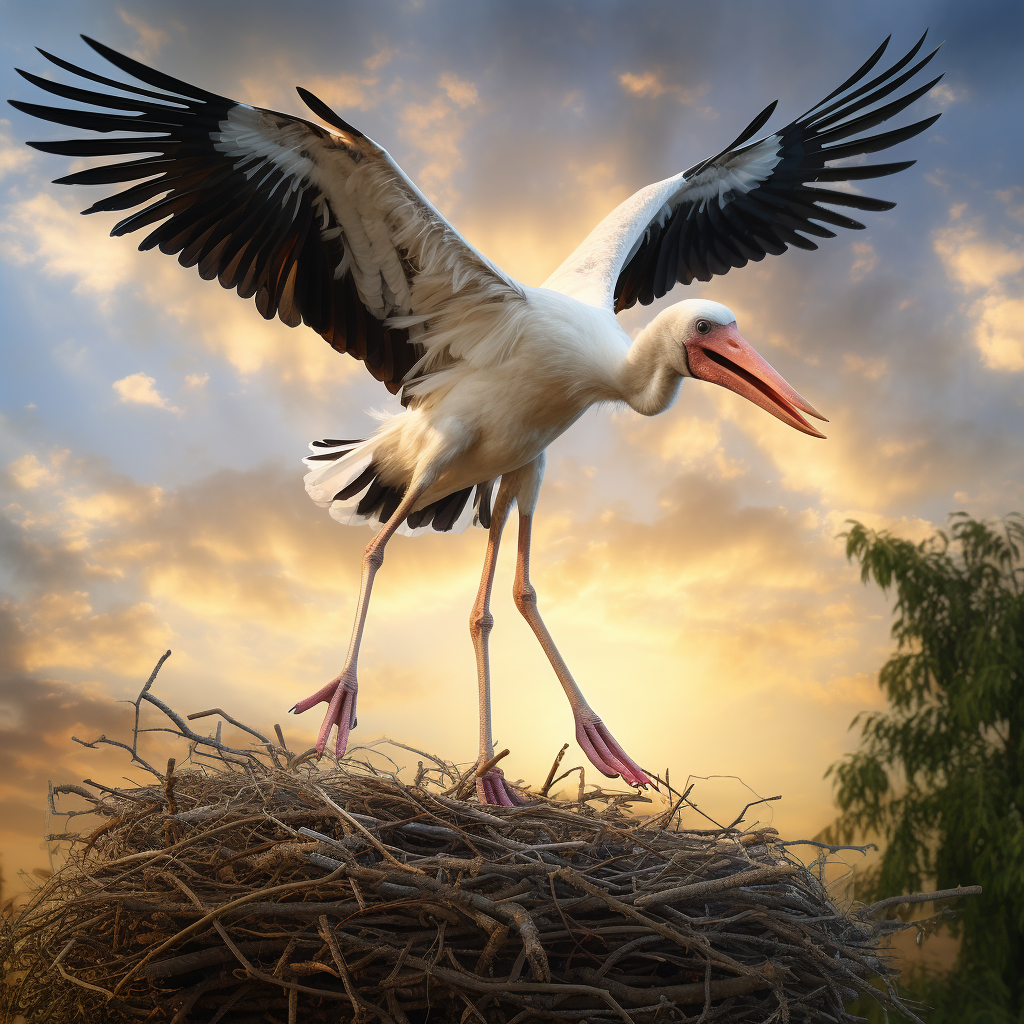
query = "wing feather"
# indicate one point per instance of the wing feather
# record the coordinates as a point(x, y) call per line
point(317, 225)
point(751, 199)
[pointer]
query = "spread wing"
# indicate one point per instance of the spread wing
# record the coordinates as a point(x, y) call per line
point(749, 200)
point(319, 225)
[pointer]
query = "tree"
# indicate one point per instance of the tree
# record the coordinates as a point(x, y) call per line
point(939, 774)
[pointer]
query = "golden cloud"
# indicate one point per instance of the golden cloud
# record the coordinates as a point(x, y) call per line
point(461, 92)
point(980, 264)
point(975, 262)
point(140, 389)
point(651, 85)
point(999, 332)
point(51, 233)
point(29, 473)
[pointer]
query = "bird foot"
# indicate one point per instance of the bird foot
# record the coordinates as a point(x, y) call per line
point(340, 695)
point(605, 754)
point(491, 788)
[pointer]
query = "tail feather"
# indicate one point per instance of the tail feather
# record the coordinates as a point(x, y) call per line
point(344, 478)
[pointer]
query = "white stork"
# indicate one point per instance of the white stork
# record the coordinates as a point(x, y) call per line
point(322, 227)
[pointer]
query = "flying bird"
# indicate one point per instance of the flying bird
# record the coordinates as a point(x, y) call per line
point(320, 226)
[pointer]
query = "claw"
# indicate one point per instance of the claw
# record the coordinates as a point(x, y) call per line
point(491, 788)
point(340, 695)
point(605, 754)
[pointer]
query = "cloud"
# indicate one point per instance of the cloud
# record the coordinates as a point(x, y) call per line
point(866, 261)
point(29, 473)
point(978, 264)
point(197, 380)
point(151, 39)
point(945, 94)
point(44, 231)
point(651, 85)
point(140, 389)
point(14, 156)
point(460, 92)
point(435, 129)
point(999, 332)
point(871, 369)
point(378, 60)
point(975, 262)
point(39, 716)
point(138, 290)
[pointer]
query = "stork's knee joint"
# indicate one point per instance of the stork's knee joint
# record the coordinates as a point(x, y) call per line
point(524, 596)
point(373, 557)
point(480, 624)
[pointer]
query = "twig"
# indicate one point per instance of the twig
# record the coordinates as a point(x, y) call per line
point(753, 803)
point(920, 897)
point(234, 721)
point(554, 768)
point(827, 846)
point(490, 763)
point(374, 842)
point(339, 961)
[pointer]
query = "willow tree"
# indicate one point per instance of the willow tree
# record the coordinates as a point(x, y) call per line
point(939, 774)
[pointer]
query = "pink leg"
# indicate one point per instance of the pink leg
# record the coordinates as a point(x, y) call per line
point(340, 693)
point(591, 733)
point(491, 788)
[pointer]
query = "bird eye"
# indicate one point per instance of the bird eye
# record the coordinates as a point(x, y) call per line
point(703, 327)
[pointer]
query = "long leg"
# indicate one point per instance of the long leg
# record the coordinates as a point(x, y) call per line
point(341, 691)
point(491, 788)
point(592, 734)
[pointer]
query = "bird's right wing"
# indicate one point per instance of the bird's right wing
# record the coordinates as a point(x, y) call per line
point(751, 199)
point(318, 224)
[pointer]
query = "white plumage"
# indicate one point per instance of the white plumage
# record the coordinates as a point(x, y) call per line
point(319, 225)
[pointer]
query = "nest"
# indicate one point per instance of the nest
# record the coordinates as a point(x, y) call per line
point(268, 887)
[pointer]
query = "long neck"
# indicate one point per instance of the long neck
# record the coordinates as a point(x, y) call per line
point(647, 379)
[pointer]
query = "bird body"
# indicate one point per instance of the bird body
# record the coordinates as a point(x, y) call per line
point(319, 225)
point(487, 417)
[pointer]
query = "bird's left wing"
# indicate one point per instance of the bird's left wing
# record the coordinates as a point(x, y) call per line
point(751, 199)
point(318, 224)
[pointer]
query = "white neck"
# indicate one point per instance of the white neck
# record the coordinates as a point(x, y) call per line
point(647, 378)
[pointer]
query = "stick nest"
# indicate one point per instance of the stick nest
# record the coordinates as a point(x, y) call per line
point(268, 887)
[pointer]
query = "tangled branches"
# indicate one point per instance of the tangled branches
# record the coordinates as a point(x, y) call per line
point(272, 889)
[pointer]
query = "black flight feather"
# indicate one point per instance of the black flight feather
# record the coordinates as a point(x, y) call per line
point(728, 219)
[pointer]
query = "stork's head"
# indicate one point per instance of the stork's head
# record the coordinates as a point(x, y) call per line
point(714, 350)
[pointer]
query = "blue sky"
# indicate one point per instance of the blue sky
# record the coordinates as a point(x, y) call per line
point(152, 424)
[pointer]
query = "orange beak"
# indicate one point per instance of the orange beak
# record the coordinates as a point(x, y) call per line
point(724, 357)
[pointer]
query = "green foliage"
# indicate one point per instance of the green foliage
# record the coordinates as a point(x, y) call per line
point(940, 773)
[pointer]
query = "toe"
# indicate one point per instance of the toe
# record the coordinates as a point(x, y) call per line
point(487, 785)
point(324, 693)
point(631, 771)
point(587, 739)
point(493, 789)
point(346, 720)
point(584, 738)
point(502, 793)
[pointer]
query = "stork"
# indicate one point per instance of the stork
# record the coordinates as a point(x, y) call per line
point(321, 226)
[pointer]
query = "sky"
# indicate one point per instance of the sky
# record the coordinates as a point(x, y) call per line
point(690, 566)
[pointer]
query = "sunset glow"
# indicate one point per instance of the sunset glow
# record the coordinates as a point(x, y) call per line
point(689, 565)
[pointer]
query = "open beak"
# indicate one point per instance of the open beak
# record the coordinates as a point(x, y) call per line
point(724, 357)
